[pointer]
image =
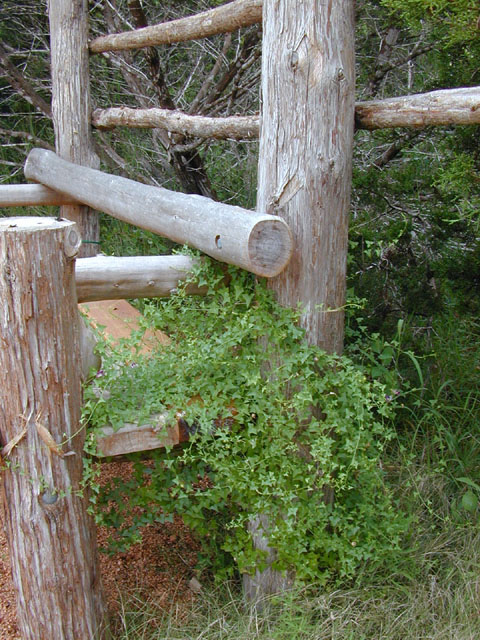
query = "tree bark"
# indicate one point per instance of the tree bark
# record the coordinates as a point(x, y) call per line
point(305, 163)
point(305, 170)
point(71, 104)
point(257, 242)
point(223, 19)
point(51, 537)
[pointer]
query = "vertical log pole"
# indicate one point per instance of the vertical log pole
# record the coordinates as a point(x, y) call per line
point(50, 535)
point(306, 143)
point(71, 104)
point(304, 176)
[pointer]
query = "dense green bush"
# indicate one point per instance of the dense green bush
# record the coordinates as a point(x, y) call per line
point(276, 425)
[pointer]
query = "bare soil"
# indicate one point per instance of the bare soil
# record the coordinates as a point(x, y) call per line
point(159, 569)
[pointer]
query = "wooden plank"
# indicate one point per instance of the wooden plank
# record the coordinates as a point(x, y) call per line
point(119, 319)
point(112, 278)
point(222, 19)
point(135, 438)
point(30, 195)
point(258, 242)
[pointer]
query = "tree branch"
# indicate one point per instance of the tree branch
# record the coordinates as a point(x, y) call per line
point(18, 82)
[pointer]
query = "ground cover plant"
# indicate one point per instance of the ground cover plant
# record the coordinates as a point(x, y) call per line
point(276, 426)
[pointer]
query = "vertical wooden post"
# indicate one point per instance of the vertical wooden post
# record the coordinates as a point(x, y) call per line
point(50, 535)
point(306, 143)
point(304, 176)
point(71, 104)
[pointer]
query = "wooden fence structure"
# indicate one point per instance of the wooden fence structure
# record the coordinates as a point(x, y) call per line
point(41, 280)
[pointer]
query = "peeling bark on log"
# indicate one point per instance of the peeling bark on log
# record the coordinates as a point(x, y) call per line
point(109, 278)
point(259, 243)
point(229, 128)
point(223, 19)
point(51, 537)
point(71, 104)
point(30, 195)
point(445, 107)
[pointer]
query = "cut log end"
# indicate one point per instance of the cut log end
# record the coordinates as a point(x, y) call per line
point(270, 247)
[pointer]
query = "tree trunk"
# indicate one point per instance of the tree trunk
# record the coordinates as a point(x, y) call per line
point(305, 171)
point(71, 104)
point(51, 537)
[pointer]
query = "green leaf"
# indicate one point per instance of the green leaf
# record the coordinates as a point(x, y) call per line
point(469, 501)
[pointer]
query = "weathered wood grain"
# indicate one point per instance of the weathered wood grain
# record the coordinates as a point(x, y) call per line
point(444, 107)
point(135, 438)
point(222, 19)
point(71, 103)
point(51, 537)
point(304, 176)
point(260, 243)
point(229, 128)
point(30, 195)
point(111, 278)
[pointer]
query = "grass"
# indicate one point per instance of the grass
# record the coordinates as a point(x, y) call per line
point(430, 590)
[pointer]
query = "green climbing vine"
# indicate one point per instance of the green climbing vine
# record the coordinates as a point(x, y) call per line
point(264, 438)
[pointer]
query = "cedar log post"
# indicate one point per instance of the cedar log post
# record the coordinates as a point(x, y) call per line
point(71, 104)
point(305, 171)
point(51, 537)
point(257, 242)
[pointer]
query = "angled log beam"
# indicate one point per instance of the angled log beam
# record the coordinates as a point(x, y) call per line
point(110, 278)
point(232, 127)
point(30, 195)
point(223, 19)
point(444, 107)
point(254, 241)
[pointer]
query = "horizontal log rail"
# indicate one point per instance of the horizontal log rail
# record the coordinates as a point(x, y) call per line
point(29, 195)
point(132, 437)
point(223, 19)
point(112, 278)
point(443, 107)
point(257, 242)
point(232, 127)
